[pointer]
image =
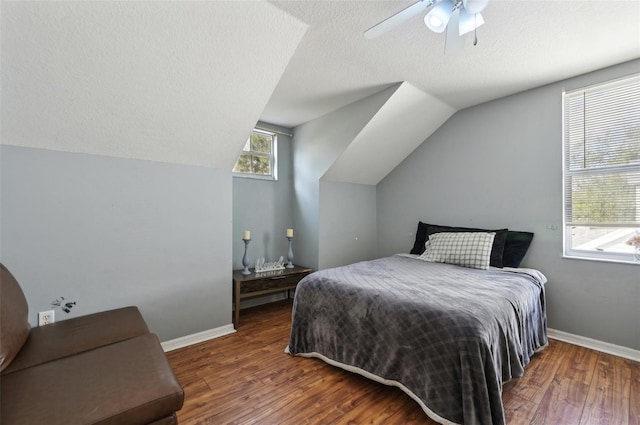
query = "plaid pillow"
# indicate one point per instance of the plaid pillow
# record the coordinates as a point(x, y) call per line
point(466, 249)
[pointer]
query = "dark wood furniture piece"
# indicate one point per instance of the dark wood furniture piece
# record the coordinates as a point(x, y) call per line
point(255, 284)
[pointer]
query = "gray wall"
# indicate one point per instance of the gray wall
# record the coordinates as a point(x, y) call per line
point(265, 207)
point(347, 223)
point(500, 164)
point(316, 145)
point(110, 232)
point(160, 83)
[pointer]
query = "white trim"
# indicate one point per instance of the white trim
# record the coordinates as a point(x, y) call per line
point(594, 344)
point(185, 341)
point(601, 259)
point(271, 130)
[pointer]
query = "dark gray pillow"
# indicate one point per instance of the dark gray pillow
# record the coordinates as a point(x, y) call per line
point(516, 244)
point(421, 239)
point(515, 248)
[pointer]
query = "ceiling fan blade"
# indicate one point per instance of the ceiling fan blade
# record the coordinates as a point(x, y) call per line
point(400, 17)
point(474, 6)
point(469, 22)
point(453, 42)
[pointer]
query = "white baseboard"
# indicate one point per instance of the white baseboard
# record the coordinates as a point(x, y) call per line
point(196, 338)
point(594, 344)
point(185, 341)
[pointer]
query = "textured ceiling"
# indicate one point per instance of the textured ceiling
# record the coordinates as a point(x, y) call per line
point(185, 82)
point(167, 81)
point(523, 44)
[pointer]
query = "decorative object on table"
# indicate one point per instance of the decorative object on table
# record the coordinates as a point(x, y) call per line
point(262, 266)
point(246, 238)
point(635, 243)
point(290, 253)
point(65, 306)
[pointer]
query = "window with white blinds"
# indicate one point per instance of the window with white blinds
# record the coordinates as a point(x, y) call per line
point(602, 170)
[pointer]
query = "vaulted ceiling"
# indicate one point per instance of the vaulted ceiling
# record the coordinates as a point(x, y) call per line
point(170, 81)
point(185, 82)
point(523, 44)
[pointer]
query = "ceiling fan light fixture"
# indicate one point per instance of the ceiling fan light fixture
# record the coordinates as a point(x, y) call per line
point(438, 17)
point(474, 6)
point(434, 21)
point(469, 22)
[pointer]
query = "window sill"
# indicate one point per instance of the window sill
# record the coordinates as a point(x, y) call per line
point(254, 177)
point(601, 260)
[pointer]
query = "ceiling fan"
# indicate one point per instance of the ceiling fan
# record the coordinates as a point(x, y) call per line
point(458, 17)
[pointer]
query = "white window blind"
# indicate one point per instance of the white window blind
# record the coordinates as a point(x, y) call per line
point(602, 169)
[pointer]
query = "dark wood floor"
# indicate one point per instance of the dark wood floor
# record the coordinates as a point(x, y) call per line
point(246, 378)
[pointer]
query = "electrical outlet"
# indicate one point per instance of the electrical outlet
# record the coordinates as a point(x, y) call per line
point(46, 317)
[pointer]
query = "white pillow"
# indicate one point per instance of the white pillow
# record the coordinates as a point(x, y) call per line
point(466, 249)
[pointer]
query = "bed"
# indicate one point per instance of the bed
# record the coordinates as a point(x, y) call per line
point(447, 335)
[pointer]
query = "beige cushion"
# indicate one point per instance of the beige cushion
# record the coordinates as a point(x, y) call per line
point(14, 317)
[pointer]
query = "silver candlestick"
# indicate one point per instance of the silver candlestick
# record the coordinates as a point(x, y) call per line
point(245, 258)
point(290, 255)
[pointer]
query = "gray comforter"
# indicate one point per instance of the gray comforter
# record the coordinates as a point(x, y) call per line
point(446, 335)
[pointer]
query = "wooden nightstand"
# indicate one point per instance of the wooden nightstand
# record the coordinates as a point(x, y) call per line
point(255, 284)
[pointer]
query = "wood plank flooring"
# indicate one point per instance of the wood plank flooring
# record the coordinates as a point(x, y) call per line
point(246, 378)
